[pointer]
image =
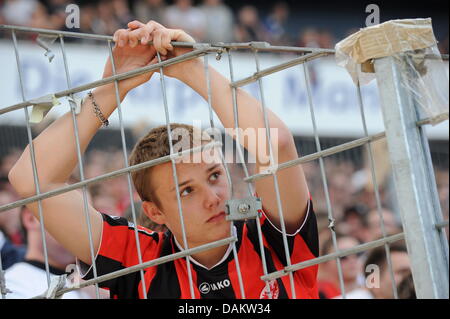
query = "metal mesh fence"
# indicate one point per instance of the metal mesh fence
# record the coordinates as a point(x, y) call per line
point(323, 161)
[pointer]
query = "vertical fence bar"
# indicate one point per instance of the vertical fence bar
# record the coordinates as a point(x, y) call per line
point(33, 159)
point(275, 177)
point(324, 178)
point(230, 184)
point(81, 167)
point(175, 177)
point(412, 178)
point(241, 157)
point(3, 289)
point(125, 158)
point(376, 190)
point(435, 193)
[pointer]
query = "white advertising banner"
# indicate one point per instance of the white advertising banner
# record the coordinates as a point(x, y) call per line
point(334, 95)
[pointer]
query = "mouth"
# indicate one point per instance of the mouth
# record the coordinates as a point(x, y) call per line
point(216, 217)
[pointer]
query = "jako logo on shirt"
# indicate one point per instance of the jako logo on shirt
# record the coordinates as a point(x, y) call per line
point(205, 287)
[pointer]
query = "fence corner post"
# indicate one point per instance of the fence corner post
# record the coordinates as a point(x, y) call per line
point(411, 165)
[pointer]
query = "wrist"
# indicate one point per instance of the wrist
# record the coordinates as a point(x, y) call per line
point(190, 70)
point(110, 89)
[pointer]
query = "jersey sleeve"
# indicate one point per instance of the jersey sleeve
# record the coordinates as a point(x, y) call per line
point(118, 250)
point(303, 244)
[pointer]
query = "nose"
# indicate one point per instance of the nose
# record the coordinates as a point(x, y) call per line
point(212, 198)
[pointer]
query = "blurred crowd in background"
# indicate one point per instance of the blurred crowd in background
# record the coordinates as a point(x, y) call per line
point(205, 20)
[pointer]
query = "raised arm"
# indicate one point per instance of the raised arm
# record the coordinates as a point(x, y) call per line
point(292, 183)
point(56, 157)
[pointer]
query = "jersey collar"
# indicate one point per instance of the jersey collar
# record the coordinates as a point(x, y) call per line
point(225, 256)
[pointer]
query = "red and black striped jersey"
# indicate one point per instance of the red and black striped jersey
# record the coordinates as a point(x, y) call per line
point(170, 280)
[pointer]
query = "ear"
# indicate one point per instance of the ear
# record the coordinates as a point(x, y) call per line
point(153, 212)
point(29, 221)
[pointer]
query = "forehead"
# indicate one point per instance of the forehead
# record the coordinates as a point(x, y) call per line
point(400, 260)
point(162, 174)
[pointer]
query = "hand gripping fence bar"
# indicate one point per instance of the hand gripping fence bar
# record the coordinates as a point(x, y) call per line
point(199, 49)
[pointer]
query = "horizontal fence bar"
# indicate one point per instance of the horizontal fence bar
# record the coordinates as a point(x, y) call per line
point(267, 47)
point(314, 156)
point(339, 254)
point(57, 32)
point(79, 35)
point(151, 263)
point(441, 224)
point(429, 120)
point(277, 68)
point(106, 176)
point(245, 45)
point(437, 56)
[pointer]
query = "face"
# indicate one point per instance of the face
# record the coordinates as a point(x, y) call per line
point(351, 264)
point(58, 256)
point(390, 224)
point(248, 15)
point(184, 4)
point(400, 268)
point(10, 219)
point(203, 190)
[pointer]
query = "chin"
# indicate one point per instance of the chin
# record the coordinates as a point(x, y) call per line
point(222, 231)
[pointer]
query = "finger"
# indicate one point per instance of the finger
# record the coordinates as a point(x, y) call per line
point(150, 55)
point(180, 35)
point(135, 24)
point(123, 38)
point(153, 61)
point(146, 34)
point(157, 42)
point(166, 41)
point(116, 35)
point(155, 25)
point(134, 36)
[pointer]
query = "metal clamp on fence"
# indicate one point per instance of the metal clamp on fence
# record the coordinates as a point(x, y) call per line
point(45, 41)
point(57, 283)
point(245, 208)
point(259, 45)
point(3, 289)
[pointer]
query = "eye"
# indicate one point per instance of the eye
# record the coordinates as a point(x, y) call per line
point(186, 191)
point(215, 176)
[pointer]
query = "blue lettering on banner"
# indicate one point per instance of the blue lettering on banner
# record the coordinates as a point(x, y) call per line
point(295, 93)
point(31, 71)
point(339, 99)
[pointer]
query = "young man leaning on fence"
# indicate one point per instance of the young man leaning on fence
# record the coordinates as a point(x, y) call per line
point(203, 190)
